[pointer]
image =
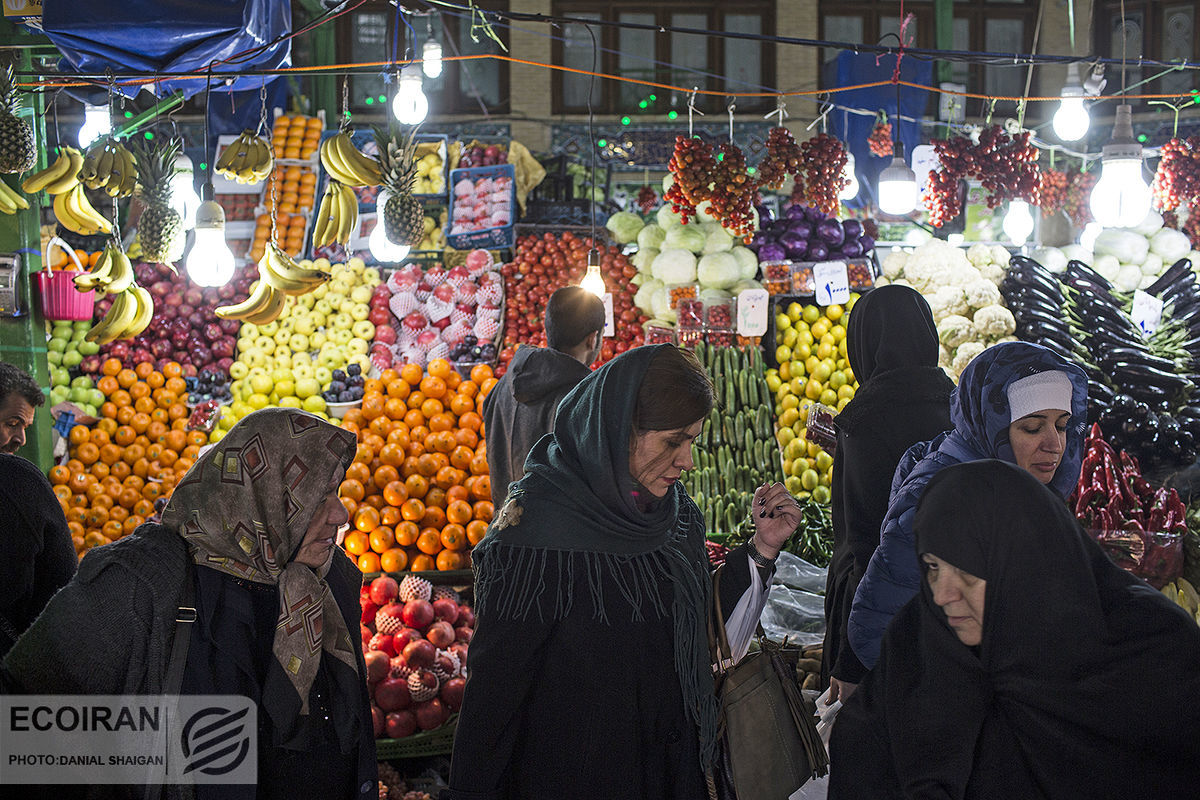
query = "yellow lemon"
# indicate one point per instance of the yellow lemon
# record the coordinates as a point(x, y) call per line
point(788, 418)
point(795, 310)
point(824, 461)
point(810, 479)
point(813, 389)
point(821, 495)
point(820, 328)
point(785, 373)
point(796, 367)
point(825, 350)
point(813, 449)
point(804, 336)
point(787, 466)
point(845, 401)
point(834, 312)
point(789, 337)
point(811, 314)
point(811, 363)
point(829, 397)
point(782, 322)
point(823, 371)
point(783, 353)
point(793, 485)
point(838, 333)
point(801, 350)
point(846, 391)
point(794, 449)
point(773, 381)
point(785, 434)
point(798, 384)
point(837, 379)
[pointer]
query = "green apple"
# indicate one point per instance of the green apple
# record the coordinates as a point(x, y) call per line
point(57, 345)
point(54, 357)
point(62, 330)
point(82, 382)
point(248, 329)
point(298, 342)
point(78, 396)
point(323, 307)
point(238, 370)
point(360, 311)
point(317, 340)
point(341, 321)
point(268, 329)
point(307, 387)
point(372, 276)
point(265, 345)
point(82, 325)
point(72, 358)
point(59, 376)
point(357, 346)
point(304, 325)
point(306, 300)
point(285, 387)
point(357, 264)
point(360, 294)
point(240, 409)
point(341, 335)
point(59, 394)
point(322, 263)
point(318, 320)
point(91, 410)
point(323, 375)
point(314, 404)
point(255, 358)
point(363, 329)
point(303, 371)
point(346, 306)
point(227, 420)
point(95, 397)
point(273, 399)
point(290, 402)
point(262, 383)
point(301, 358)
point(87, 348)
point(320, 291)
point(280, 374)
point(235, 386)
point(282, 335)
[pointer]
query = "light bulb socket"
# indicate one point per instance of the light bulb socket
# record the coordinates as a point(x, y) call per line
point(210, 215)
point(1123, 129)
point(898, 170)
point(1072, 87)
point(593, 258)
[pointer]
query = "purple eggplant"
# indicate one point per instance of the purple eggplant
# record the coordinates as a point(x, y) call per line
point(853, 228)
point(830, 232)
point(801, 228)
point(813, 215)
point(867, 242)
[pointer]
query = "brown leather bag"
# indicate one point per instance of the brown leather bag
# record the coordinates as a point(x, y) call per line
point(769, 741)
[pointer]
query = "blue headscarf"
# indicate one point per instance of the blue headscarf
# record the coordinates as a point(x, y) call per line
point(980, 413)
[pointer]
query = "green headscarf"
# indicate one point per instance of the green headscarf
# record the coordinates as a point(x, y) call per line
point(578, 498)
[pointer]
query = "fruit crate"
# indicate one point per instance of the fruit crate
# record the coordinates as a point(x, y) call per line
point(435, 144)
point(450, 577)
point(497, 236)
point(437, 742)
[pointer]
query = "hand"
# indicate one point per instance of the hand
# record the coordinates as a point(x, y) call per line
point(776, 516)
point(839, 690)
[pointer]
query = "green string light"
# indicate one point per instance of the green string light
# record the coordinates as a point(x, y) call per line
point(1142, 137)
point(672, 115)
point(370, 101)
point(749, 170)
point(625, 120)
point(653, 98)
point(128, 115)
point(602, 143)
point(383, 98)
point(643, 104)
point(149, 135)
point(203, 166)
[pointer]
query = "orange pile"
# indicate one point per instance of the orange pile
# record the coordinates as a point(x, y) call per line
point(296, 136)
point(289, 234)
point(60, 259)
point(135, 453)
point(418, 492)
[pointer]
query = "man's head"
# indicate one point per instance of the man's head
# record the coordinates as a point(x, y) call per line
point(19, 396)
point(575, 323)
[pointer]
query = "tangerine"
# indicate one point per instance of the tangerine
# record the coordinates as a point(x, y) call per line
point(412, 509)
point(356, 543)
point(483, 509)
point(393, 560)
point(448, 560)
point(369, 562)
point(476, 529)
point(366, 518)
point(382, 538)
point(430, 541)
point(395, 493)
point(423, 563)
point(407, 533)
point(454, 537)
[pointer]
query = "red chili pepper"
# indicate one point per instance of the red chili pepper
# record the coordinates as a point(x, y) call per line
point(1129, 464)
point(1159, 517)
point(1104, 520)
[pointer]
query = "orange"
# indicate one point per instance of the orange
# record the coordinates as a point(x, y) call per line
point(412, 509)
point(432, 386)
point(435, 497)
point(430, 541)
point(356, 543)
point(434, 517)
point(483, 509)
point(352, 489)
point(407, 533)
point(439, 368)
point(350, 505)
point(468, 389)
point(460, 404)
point(393, 560)
point(388, 375)
point(369, 561)
point(395, 493)
point(172, 369)
point(476, 529)
point(127, 378)
point(454, 537)
point(59, 475)
point(155, 380)
point(441, 422)
point(485, 388)
point(88, 453)
point(372, 406)
point(448, 560)
point(382, 425)
point(78, 435)
point(481, 373)
point(459, 512)
point(409, 372)
point(471, 420)
point(390, 516)
point(431, 407)
point(386, 474)
point(447, 477)
point(111, 366)
point(417, 485)
point(108, 410)
point(364, 454)
point(366, 519)
point(382, 538)
point(398, 389)
point(423, 563)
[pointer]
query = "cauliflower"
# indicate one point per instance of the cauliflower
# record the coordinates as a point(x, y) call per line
point(893, 264)
point(954, 330)
point(1000, 255)
point(993, 273)
point(994, 321)
point(945, 358)
point(1004, 339)
point(982, 293)
point(948, 300)
point(963, 355)
point(980, 255)
point(882, 281)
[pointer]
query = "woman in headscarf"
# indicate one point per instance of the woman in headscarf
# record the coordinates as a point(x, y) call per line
point(903, 398)
point(1029, 665)
point(1015, 401)
point(254, 527)
point(590, 675)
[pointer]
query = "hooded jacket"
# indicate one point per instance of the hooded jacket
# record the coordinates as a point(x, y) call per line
point(903, 398)
point(521, 409)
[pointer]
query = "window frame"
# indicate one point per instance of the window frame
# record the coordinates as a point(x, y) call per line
point(1106, 12)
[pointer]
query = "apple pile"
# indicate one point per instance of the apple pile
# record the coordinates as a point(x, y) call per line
point(480, 155)
point(65, 351)
point(543, 264)
point(414, 640)
point(481, 203)
point(441, 309)
point(184, 328)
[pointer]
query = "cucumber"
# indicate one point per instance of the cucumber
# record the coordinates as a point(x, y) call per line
point(714, 427)
point(739, 430)
point(701, 352)
point(748, 438)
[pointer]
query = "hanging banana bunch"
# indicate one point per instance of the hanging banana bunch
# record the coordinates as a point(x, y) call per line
point(113, 272)
point(337, 215)
point(59, 177)
point(109, 165)
point(279, 276)
point(347, 164)
point(132, 306)
point(76, 213)
point(249, 159)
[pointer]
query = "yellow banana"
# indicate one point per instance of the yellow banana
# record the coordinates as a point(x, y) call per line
point(7, 206)
point(54, 172)
point(125, 173)
point(364, 168)
point(322, 222)
point(12, 197)
point(70, 178)
point(98, 276)
point(276, 301)
point(121, 276)
point(118, 319)
point(143, 315)
point(260, 295)
point(225, 162)
point(347, 214)
point(81, 209)
point(70, 219)
point(332, 161)
point(104, 163)
point(285, 275)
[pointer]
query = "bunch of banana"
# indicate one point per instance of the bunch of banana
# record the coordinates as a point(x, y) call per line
point(337, 215)
point(277, 269)
point(1184, 595)
point(109, 165)
point(76, 213)
point(113, 272)
point(128, 316)
point(10, 200)
point(264, 305)
point(249, 159)
point(59, 177)
point(346, 163)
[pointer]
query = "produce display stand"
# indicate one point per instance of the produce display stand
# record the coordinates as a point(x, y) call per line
point(437, 742)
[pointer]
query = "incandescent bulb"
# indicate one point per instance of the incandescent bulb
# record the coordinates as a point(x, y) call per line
point(593, 280)
point(431, 58)
point(897, 188)
point(382, 248)
point(410, 105)
point(1071, 121)
point(210, 263)
point(850, 190)
point(1018, 222)
point(96, 123)
point(184, 199)
point(1121, 198)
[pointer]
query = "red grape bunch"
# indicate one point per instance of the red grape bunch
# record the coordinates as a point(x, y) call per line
point(1079, 193)
point(1192, 225)
point(956, 161)
point(692, 165)
point(1177, 179)
point(880, 140)
point(824, 159)
point(1054, 190)
point(733, 192)
point(783, 158)
point(1007, 166)
point(647, 199)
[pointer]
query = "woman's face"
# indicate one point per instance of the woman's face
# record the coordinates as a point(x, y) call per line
point(658, 458)
point(1038, 441)
point(959, 595)
point(323, 531)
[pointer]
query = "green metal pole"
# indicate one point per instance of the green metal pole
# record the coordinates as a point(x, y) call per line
point(23, 339)
point(943, 34)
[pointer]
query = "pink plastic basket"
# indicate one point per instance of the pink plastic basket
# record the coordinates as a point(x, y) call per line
point(60, 299)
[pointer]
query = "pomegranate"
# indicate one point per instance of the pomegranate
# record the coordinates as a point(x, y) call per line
point(422, 685)
point(445, 609)
point(466, 616)
point(419, 653)
point(383, 643)
point(400, 724)
point(377, 666)
point(383, 590)
point(416, 614)
point(440, 634)
point(452, 693)
point(463, 634)
point(378, 719)
point(391, 694)
point(431, 714)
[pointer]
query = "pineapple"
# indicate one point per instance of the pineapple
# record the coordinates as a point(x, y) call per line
point(17, 149)
point(403, 216)
point(160, 228)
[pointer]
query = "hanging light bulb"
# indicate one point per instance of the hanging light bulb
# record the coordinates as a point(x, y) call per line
point(96, 123)
point(184, 199)
point(431, 58)
point(1018, 222)
point(410, 105)
point(850, 190)
point(1121, 198)
point(593, 280)
point(210, 263)
point(382, 248)
point(1071, 121)
point(897, 186)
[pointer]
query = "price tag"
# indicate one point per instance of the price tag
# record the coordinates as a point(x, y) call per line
point(609, 328)
point(1147, 311)
point(832, 282)
point(924, 159)
point(752, 307)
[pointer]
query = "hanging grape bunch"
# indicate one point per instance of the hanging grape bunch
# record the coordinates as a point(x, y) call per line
point(692, 165)
point(1054, 191)
point(1079, 192)
point(733, 192)
point(880, 140)
point(1007, 166)
point(1192, 225)
point(956, 160)
point(1177, 179)
point(782, 159)
point(824, 160)
point(647, 199)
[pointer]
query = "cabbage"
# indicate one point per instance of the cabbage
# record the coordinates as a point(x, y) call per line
point(1051, 258)
point(747, 284)
point(716, 238)
point(1107, 267)
point(667, 218)
point(685, 237)
point(660, 304)
point(747, 262)
point(704, 212)
point(651, 236)
point(667, 182)
point(674, 266)
point(1075, 252)
point(1150, 225)
point(718, 270)
point(1127, 246)
point(624, 226)
point(1128, 278)
point(712, 296)
point(642, 298)
point(643, 258)
point(1170, 245)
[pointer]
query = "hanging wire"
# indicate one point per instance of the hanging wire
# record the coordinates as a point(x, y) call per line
point(732, 106)
point(592, 139)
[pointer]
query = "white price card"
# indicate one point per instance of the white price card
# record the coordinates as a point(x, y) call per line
point(1147, 311)
point(924, 159)
point(832, 282)
point(752, 308)
point(609, 327)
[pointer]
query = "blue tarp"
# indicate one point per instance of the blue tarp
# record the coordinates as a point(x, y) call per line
point(169, 36)
point(850, 69)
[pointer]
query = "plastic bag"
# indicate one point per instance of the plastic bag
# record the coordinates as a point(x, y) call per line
point(796, 603)
point(793, 571)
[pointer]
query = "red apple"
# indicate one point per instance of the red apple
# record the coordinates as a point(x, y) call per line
point(431, 714)
point(452, 693)
point(440, 634)
point(384, 590)
point(419, 654)
point(417, 614)
point(400, 724)
point(379, 315)
point(391, 694)
point(377, 666)
point(385, 333)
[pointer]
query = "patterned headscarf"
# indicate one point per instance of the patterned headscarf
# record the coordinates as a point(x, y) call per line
point(244, 507)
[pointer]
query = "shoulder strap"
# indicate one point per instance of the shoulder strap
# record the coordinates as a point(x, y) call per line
point(719, 640)
point(185, 616)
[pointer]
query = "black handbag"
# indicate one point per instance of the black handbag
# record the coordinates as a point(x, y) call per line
point(769, 744)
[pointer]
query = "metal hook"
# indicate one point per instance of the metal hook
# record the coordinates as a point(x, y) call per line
point(732, 106)
point(780, 112)
point(692, 110)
